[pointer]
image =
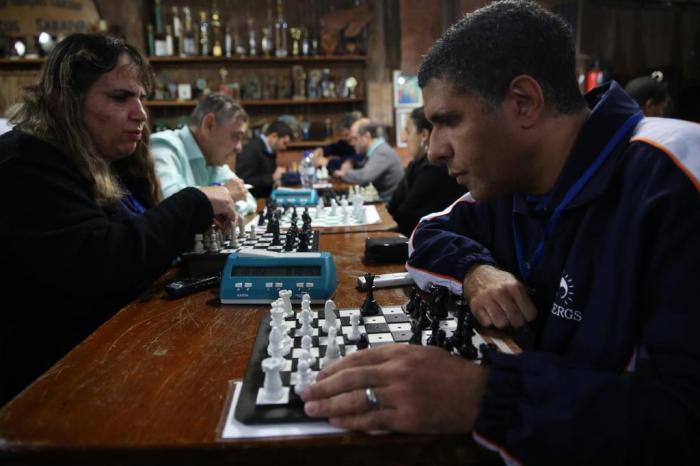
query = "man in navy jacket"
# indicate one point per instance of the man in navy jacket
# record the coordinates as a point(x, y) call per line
point(581, 228)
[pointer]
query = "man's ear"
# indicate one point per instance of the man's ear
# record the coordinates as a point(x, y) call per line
point(525, 100)
point(208, 122)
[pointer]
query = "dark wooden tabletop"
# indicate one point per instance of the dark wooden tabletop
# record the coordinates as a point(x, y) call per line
point(150, 386)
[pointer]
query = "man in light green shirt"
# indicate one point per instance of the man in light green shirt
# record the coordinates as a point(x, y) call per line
point(195, 154)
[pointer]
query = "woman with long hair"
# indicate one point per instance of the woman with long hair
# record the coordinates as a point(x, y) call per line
point(82, 226)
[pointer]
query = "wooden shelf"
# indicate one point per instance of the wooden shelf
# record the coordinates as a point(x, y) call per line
point(260, 60)
point(310, 143)
point(257, 103)
point(21, 62)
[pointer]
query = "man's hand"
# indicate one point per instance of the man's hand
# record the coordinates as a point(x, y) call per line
point(318, 158)
point(221, 201)
point(277, 175)
point(344, 168)
point(237, 189)
point(404, 379)
point(497, 298)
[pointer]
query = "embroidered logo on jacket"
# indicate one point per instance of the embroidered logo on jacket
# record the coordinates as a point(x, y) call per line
point(564, 299)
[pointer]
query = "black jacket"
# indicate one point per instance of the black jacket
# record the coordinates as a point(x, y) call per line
point(69, 264)
point(255, 165)
point(425, 188)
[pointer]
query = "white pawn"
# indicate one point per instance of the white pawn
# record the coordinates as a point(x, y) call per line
point(286, 297)
point(277, 316)
point(305, 298)
point(198, 245)
point(306, 377)
point(306, 343)
point(329, 316)
point(305, 355)
point(355, 330)
point(332, 350)
point(334, 207)
point(233, 239)
point(345, 215)
point(273, 390)
point(275, 347)
point(251, 234)
point(319, 207)
point(306, 328)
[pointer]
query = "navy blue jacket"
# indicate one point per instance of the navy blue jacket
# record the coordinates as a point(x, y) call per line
point(613, 375)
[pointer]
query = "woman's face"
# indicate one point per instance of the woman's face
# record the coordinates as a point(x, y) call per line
point(414, 140)
point(113, 111)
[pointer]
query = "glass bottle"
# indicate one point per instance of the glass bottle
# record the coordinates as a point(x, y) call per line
point(189, 45)
point(159, 35)
point(204, 44)
point(281, 31)
point(217, 49)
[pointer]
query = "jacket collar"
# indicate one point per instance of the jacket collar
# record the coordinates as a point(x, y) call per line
point(610, 108)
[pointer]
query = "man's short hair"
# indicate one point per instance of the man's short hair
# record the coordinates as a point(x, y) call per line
point(222, 106)
point(644, 88)
point(280, 128)
point(484, 51)
point(347, 119)
point(371, 128)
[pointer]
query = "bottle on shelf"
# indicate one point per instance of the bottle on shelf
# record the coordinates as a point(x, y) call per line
point(189, 45)
point(228, 42)
point(151, 40)
point(307, 170)
point(169, 43)
point(177, 31)
point(252, 39)
point(281, 31)
point(204, 43)
point(160, 40)
point(217, 48)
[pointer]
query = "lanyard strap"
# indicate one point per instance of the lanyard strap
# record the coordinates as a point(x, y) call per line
point(131, 204)
point(526, 266)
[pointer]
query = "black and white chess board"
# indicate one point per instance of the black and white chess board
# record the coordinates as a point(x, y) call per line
point(391, 325)
point(321, 217)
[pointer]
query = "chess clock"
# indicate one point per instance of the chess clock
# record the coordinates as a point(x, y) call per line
point(258, 276)
point(295, 197)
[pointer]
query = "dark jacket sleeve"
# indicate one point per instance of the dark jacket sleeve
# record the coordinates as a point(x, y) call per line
point(251, 167)
point(444, 245)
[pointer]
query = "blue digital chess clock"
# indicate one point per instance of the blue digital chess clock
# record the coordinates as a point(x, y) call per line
point(295, 197)
point(258, 276)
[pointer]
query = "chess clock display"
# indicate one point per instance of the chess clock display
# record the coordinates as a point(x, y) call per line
point(257, 277)
point(284, 197)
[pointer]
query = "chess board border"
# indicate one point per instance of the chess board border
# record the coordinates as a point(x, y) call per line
point(196, 264)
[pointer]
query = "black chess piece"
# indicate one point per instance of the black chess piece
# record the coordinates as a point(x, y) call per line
point(303, 245)
point(423, 315)
point(276, 232)
point(363, 342)
point(413, 304)
point(261, 218)
point(370, 306)
point(457, 337)
point(434, 338)
point(417, 336)
point(294, 214)
point(305, 217)
point(438, 301)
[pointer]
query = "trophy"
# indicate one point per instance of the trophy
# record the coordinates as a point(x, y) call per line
point(299, 82)
point(295, 33)
point(314, 85)
point(269, 87)
point(284, 87)
point(266, 43)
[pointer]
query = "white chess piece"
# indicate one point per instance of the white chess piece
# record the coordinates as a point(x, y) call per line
point(275, 347)
point(306, 318)
point(198, 245)
point(334, 207)
point(306, 343)
point(305, 355)
point(233, 239)
point(273, 390)
point(355, 330)
point(241, 227)
point(332, 350)
point(286, 297)
point(319, 207)
point(305, 377)
point(361, 215)
point(277, 316)
point(251, 234)
point(329, 316)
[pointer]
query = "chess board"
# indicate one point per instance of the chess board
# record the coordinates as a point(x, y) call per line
point(325, 218)
point(212, 262)
point(392, 325)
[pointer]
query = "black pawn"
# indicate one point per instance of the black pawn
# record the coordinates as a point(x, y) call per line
point(412, 306)
point(417, 336)
point(370, 306)
point(276, 232)
point(438, 301)
point(363, 342)
point(261, 218)
point(434, 338)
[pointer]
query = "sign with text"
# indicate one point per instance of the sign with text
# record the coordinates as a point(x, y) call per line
point(30, 17)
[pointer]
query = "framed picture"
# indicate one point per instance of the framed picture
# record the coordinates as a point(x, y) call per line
point(402, 116)
point(406, 90)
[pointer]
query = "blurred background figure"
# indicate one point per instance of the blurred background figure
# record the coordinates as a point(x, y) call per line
point(651, 94)
point(425, 188)
point(333, 155)
point(257, 162)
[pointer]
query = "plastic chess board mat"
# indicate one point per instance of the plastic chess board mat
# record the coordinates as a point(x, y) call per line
point(392, 325)
point(325, 218)
point(212, 262)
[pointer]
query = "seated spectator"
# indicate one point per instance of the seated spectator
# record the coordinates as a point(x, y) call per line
point(425, 187)
point(383, 167)
point(257, 162)
point(195, 155)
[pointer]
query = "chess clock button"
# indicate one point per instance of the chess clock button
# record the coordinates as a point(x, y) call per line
point(309, 284)
point(300, 285)
point(278, 284)
point(238, 284)
point(268, 285)
point(248, 285)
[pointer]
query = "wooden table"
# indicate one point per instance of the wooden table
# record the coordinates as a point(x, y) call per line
point(151, 384)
